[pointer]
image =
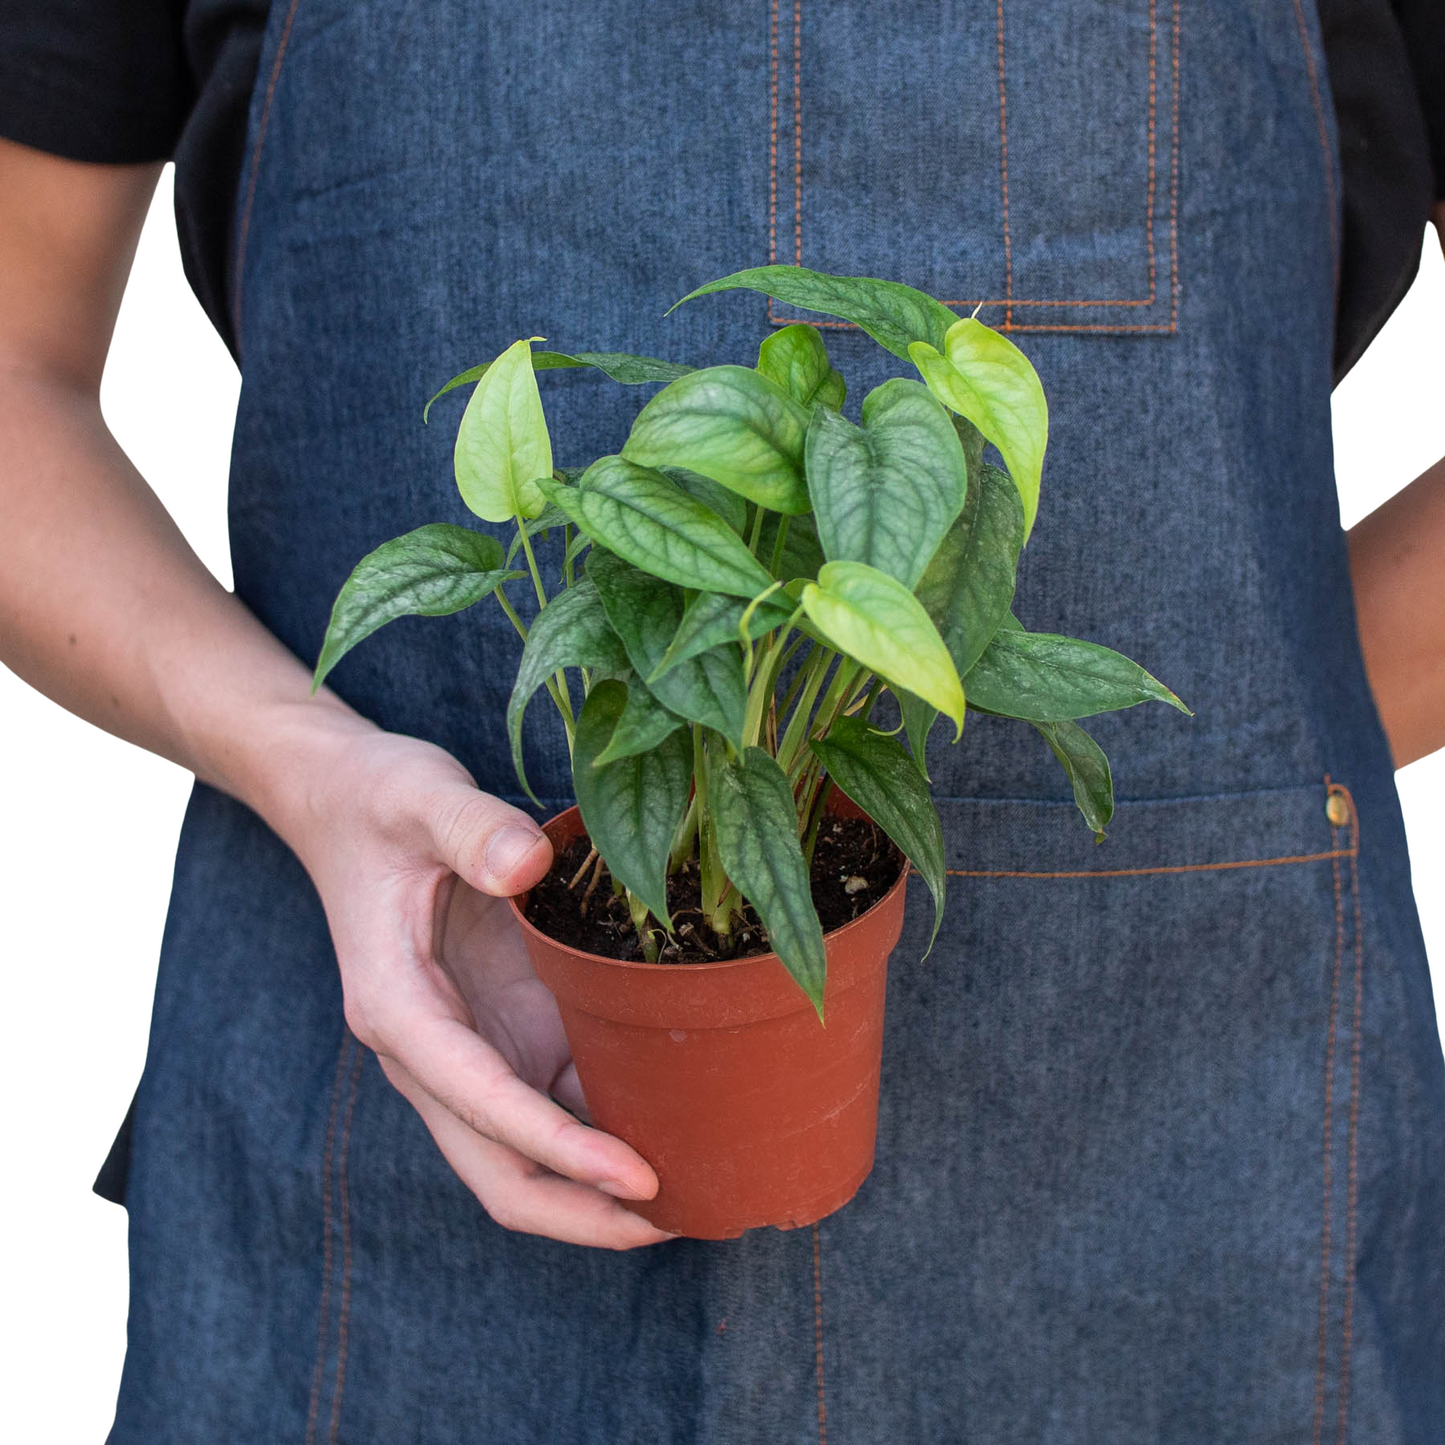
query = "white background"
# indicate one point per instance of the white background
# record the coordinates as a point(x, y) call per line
point(90, 826)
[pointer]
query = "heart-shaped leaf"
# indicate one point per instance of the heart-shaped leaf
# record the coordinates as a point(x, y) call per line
point(968, 586)
point(570, 631)
point(731, 424)
point(982, 375)
point(892, 314)
point(619, 365)
point(502, 444)
point(645, 613)
point(877, 773)
point(796, 359)
point(431, 572)
point(886, 493)
point(643, 724)
point(712, 619)
point(650, 521)
point(631, 808)
point(757, 839)
point(1088, 771)
point(877, 621)
point(1044, 678)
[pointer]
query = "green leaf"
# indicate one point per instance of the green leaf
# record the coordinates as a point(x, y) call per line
point(570, 631)
point(502, 444)
point(796, 359)
point(728, 505)
point(877, 621)
point(711, 619)
point(431, 572)
point(982, 375)
point(651, 522)
point(892, 314)
point(918, 720)
point(643, 725)
point(757, 837)
point(968, 587)
point(877, 773)
point(645, 613)
point(886, 492)
point(731, 424)
point(1088, 770)
point(619, 365)
point(1042, 677)
point(631, 808)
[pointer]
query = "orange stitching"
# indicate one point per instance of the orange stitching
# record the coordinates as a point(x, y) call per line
point(245, 227)
point(1009, 301)
point(1352, 1211)
point(341, 1324)
point(1008, 263)
point(818, 1333)
point(325, 1310)
point(1323, 134)
point(773, 145)
point(1145, 872)
point(798, 130)
point(1325, 1221)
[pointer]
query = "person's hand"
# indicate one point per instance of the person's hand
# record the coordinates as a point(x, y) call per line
point(414, 865)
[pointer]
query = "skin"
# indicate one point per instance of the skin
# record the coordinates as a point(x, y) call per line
point(411, 861)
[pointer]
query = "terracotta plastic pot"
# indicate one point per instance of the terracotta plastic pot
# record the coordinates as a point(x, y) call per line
point(720, 1075)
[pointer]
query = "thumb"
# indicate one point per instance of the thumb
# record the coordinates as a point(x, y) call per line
point(489, 844)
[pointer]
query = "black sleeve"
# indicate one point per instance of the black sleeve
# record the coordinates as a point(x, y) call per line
point(1422, 23)
point(94, 80)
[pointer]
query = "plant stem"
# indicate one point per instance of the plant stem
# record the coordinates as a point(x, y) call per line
point(819, 808)
point(684, 838)
point(561, 699)
point(758, 513)
point(646, 936)
point(777, 560)
point(795, 736)
point(569, 562)
point(560, 693)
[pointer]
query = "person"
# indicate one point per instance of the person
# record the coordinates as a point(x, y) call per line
point(1162, 1139)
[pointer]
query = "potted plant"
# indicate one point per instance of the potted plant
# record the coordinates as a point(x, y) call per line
point(738, 591)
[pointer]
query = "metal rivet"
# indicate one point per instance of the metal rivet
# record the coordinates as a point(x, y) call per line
point(1337, 810)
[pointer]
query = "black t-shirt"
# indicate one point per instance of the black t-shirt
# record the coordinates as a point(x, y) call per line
point(145, 80)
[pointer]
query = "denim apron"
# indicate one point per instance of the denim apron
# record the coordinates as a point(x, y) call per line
point(1162, 1146)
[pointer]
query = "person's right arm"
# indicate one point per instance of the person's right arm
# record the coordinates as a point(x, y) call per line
point(105, 608)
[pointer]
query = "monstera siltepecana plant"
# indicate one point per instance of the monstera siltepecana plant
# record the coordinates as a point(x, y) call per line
point(738, 588)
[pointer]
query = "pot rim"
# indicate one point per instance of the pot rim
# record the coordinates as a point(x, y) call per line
point(519, 903)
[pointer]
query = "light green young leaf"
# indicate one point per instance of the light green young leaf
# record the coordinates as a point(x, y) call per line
point(502, 445)
point(983, 376)
point(570, 631)
point(877, 773)
point(968, 587)
point(757, 837)
point(892, 314)
point(431, 572)
point(1043, 678)
point(1088, 771)
point(645, 612)
point(731, 424)
point(631, 808)
point(877, 621)
point(886, 493)
point(712, 619)
point(619, 365)
point(651, 522)
point(796, 359)
point(643, 725)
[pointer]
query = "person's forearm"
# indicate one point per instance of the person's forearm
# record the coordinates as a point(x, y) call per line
point(105, 608)
point(1397, 563)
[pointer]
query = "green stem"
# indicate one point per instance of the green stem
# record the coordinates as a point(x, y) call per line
point(777, 560)
point(765, 682)
point(569, 562)
point(757, 530)
point(684, 838)
point(819, 807)
point(532, 563)
point(796, 734)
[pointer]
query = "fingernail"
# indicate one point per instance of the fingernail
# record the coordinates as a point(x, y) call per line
point(618, 1190)
point(507, 850)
